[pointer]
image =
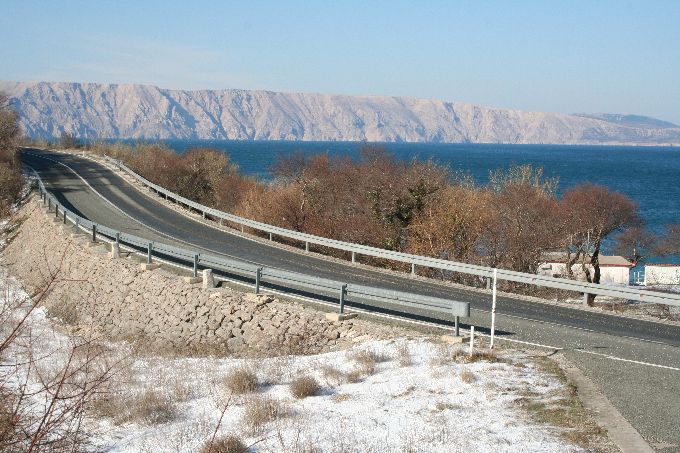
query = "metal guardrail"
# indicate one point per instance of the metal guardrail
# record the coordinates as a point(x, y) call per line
point(414, 260)
point(346, 292)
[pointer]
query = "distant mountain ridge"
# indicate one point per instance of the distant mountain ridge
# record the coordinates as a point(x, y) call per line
point(89, 110)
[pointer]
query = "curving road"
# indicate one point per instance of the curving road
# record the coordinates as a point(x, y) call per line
point(635, 363)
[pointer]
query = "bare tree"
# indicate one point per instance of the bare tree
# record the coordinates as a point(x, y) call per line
point(10, 168)
point(594, 213)
point(68, 140)
point(10, 133)
point(42, 406)
point(669, 243)
point(636, 243)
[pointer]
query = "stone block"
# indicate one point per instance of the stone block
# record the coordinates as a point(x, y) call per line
point(208, 278)
point(115, 251)
point(452, 339)
point(149, 266)
point(334, 317)
point(192, 280)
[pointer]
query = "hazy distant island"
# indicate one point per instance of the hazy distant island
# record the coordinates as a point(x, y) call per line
point(98, 111)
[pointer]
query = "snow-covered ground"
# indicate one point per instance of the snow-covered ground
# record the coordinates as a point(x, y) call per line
point(424, 405)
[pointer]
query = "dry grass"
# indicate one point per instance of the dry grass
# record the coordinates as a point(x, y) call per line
point(366, 360)
point(356, 375)
point(241, 380)
point(8, 420)
point(340, 397)
point(226, 444)
point(150, 407)
point(467, 376)
point(65, 311)
point(404, 356)
point(276, 370)
point(478, 355)
point(304, 386)
point(153, 408)
point(443, 355)
point(332, 375)
point(565, 410)
point(260, 410)
point(444, 406)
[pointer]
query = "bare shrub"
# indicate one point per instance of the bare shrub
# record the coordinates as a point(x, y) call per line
point(260, 410)
point(226, 444)
point(304, 386)
point(467, 376)
point(241, 380)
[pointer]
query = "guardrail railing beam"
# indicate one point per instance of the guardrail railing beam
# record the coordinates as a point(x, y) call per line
point(414, 260)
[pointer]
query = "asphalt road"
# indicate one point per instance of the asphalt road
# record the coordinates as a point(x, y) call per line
point(635, 363)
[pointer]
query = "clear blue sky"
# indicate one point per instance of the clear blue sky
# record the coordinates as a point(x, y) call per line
point(562, 56)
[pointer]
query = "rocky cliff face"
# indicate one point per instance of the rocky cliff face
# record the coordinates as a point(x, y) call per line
point(140, 111)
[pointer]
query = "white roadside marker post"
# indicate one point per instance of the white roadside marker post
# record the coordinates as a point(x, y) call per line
point(472, 339)
point(493, 307)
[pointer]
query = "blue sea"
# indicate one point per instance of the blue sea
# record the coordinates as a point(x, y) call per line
point(649, 175)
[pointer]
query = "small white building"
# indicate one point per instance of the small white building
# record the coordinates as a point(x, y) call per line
point(662, 274)
point(613, 269)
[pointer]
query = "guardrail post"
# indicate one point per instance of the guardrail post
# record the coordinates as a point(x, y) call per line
point(76, 226)
point(456, 325)
point(49, 204)
point(354, 257)
point(270, 237)
point(493, 307)
point(94, 233)
point(149, 249)
point(306, 246)
point(195, 266)
point(242, 229)
point(488, 283)
point(203, 215)
point(343, 290)
point(56, 211)
point(258, 276)
point(413, 269)
point(118, 239)
point(586, 296)
point(64, 216)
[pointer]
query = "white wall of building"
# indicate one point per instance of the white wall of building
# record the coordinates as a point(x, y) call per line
point(617, 275)
point(662, 275)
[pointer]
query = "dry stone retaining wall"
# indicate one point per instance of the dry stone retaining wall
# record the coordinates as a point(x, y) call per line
point(157, 306)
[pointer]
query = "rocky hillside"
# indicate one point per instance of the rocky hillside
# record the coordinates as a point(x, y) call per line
point(140, 111)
